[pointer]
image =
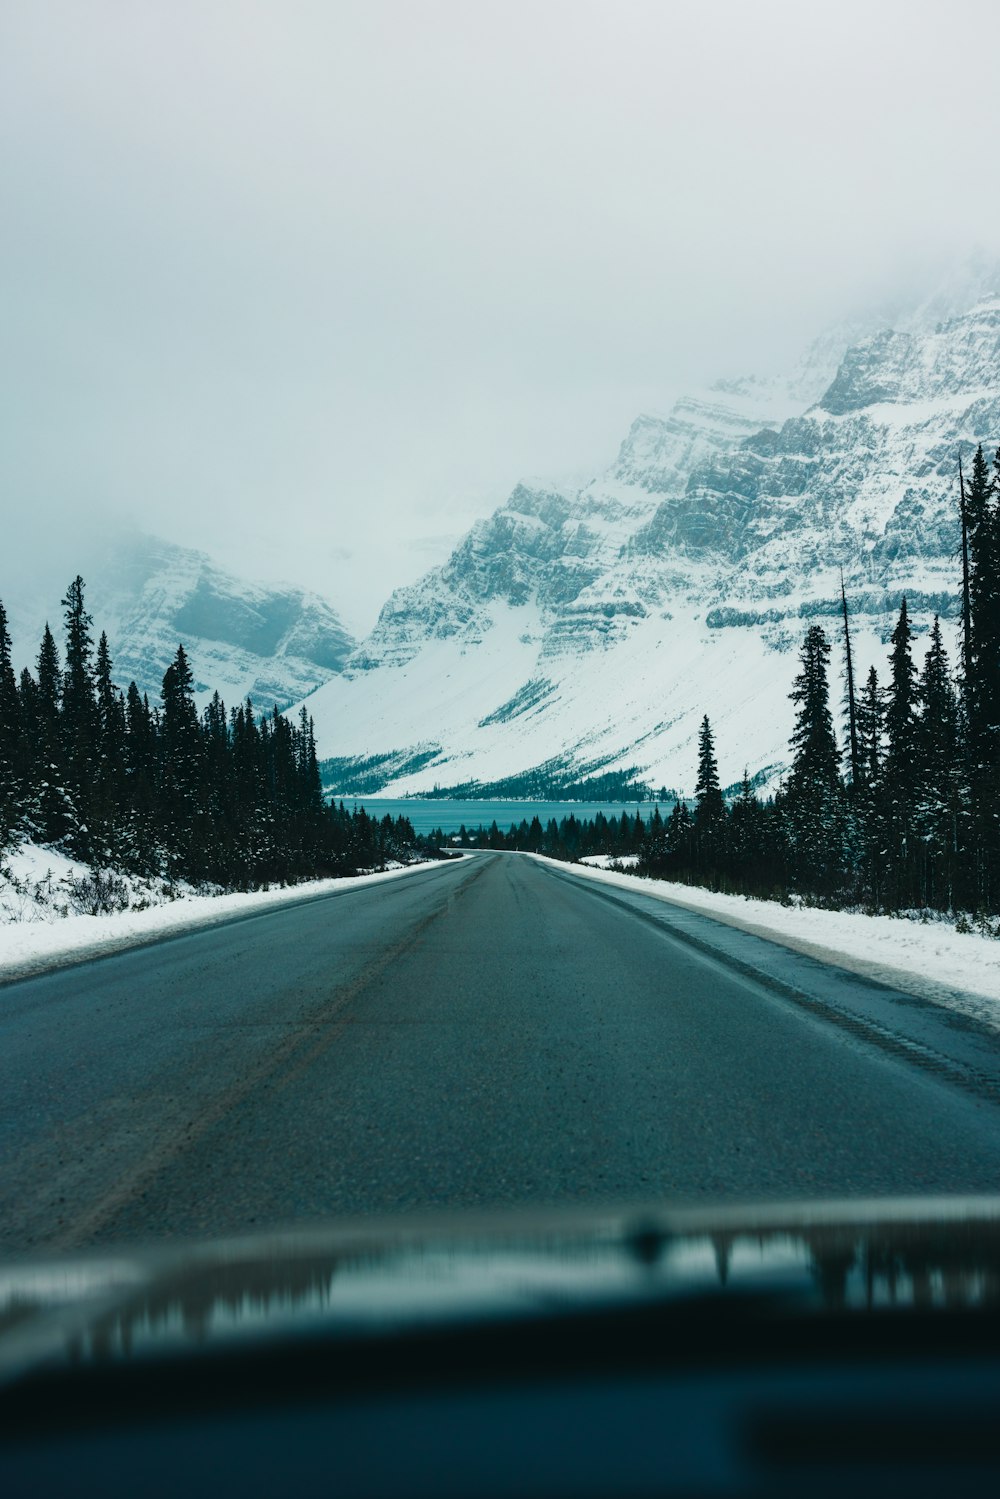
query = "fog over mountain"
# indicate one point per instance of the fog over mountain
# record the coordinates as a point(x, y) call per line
point(576, 633)
point(270, 642)
point(311, 288)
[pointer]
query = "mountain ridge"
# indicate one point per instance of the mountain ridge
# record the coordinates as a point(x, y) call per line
point(273, 643)
point(677, 583)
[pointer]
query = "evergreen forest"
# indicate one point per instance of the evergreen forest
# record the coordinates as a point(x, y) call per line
point(227, 799)
point(899, 811)
point(902, 813)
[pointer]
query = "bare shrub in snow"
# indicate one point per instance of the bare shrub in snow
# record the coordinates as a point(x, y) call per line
point(98, 893)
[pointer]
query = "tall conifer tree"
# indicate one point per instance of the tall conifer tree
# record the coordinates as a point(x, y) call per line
point(108, 794)
point(814, 801)
point(710, 807)
point(55, 808)
point(11, 789)
point(938, 810)
point(79, 721)
point(180, 759)
point(900, 777)
point(853, 752)
point(870, 729)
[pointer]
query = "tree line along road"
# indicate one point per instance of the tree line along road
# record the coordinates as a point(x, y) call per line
point(487, 1032)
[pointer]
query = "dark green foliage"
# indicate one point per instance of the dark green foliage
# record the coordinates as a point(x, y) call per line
point(53, 814)
point(236, 800)
point(850, 698)
point(871, 727)
point(814, 807)
point(901, 771)
point(983, 689)
point(79, 726)
point(108, 789)
point(217, 798)
point(707, 837)
point(815, 762)
point(709, 806)
point(981, 705)
point(11, 789)
point(868, 802)
point(571, 838)
point(939, 818)
point(918, 824)
point(901, 716)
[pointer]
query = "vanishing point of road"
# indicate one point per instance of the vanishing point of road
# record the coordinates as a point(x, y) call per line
point(484, 1032)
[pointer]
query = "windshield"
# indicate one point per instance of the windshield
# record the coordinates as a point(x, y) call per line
point(499, 615)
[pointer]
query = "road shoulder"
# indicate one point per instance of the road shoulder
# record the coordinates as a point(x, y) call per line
point(31, 948)
point(959, 972)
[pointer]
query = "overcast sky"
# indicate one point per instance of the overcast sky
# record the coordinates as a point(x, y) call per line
point(312, 285)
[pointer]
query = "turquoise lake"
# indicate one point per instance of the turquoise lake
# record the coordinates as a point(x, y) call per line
point(450, 815)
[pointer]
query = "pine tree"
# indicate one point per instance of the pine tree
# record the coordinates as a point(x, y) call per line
point(656, 847)
point(79, 722)
point(937, 812)
point(815, 755)
point(963, 512)
point(180, 766)
point(977, 495)
point(54, 808)
point(217, 813)
point(813, 809)
point(250, 791)
point(900, 773)
point(709, 804)
point(853, 751)
point(11, 789)
point(869, 804)
point(870, 732)
point(983, 690)
point(141, 827)
point(900, 712)
point(108, 815)
point(27, 774)
point(710, 808)
point(745, 834)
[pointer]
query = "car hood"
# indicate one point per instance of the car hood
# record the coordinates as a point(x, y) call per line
point(373, 1280)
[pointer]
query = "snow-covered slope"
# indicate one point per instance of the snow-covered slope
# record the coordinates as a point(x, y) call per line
point(592, 630)
point(275, 643)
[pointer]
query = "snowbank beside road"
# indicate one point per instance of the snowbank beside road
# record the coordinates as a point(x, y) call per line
point(960, 970)
point(36, 938)
point(606, 861)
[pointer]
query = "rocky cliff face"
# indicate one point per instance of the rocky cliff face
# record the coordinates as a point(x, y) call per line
point(277, 644)
point(557, 551)
point(594, 629)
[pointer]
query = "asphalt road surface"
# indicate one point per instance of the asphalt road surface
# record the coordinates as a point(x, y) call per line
point(487, 1032)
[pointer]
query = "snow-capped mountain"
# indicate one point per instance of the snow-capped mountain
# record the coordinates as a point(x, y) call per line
point(590, 631)
point(274, 643)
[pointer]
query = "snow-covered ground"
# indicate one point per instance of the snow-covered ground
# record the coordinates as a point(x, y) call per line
point(36, 935)
point(592, 629)
point(610, 861)
point(960, 970)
